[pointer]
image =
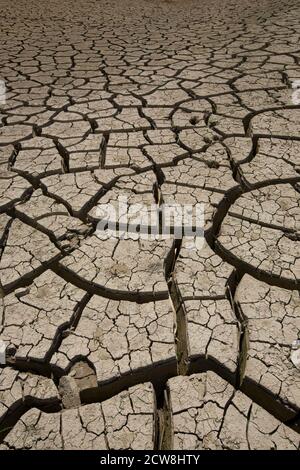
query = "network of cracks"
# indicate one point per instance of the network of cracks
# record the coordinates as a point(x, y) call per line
point(149, 344)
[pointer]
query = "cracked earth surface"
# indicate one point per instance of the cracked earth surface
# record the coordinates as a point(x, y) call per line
point(149, 344)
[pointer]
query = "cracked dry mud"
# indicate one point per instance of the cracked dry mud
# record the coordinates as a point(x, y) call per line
point(149, 344)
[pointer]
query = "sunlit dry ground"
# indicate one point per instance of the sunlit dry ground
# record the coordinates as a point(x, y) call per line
point(142, 344)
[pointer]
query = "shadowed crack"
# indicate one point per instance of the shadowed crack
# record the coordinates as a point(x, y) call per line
point(160, 103)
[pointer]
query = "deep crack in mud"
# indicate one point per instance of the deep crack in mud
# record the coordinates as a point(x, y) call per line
point(149, 344)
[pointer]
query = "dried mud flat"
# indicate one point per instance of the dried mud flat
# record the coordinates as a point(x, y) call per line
point(123, 344)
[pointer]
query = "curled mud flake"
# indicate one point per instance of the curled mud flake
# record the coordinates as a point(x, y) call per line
point(125, 421)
